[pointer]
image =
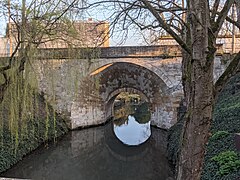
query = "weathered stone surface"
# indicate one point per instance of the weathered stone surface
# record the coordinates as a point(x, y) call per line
point(84, 90)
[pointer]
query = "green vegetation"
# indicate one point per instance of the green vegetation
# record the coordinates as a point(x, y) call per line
point(221, 159)
point(35, 131)
point(26, 119)
point(174, 132)
point(128, 97)
point(142, 113)
point(219, 135)
point(14, 146)
point(228, 162)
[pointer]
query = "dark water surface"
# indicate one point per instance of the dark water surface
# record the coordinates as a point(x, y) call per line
point(96, 154)
point(101, 153)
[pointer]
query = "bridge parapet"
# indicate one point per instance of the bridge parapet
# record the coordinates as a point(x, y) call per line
point(160, 51)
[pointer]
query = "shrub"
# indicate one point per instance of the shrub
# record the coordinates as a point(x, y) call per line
point(227, 161)
point(219, 135)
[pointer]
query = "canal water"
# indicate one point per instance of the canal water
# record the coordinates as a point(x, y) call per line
point(110, 152)
point(131, 124)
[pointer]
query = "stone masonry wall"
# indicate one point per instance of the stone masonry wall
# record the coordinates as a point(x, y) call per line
point(62, 81)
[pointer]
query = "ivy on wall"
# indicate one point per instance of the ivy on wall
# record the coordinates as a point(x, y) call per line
point(26, 119)
point(222, 158)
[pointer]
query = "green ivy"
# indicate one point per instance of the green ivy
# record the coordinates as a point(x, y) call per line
point(219, 135)
point(34, 134)
point(226, 123)
point(227, 161)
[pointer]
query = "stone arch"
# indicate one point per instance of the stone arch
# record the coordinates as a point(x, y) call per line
point(120, 75)
point(153, 64)
point(80, 108)
point(130, 90)
point(125, 76)
point(94, 104)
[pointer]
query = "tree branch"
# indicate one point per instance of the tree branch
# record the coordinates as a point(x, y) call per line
point(232, 69)
point(214, 10)
point(236, 23)
point(166, 27)
point(238, 10)
point(222, 16)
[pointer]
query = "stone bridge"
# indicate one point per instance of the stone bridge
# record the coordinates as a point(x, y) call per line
point(83, 84)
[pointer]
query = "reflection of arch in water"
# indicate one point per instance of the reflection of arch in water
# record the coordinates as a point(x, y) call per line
point(99, 160)
point(121, 151)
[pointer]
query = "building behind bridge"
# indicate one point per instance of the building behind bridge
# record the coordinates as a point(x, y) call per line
point(226, 43)
point(96, 34)
point(77, 34)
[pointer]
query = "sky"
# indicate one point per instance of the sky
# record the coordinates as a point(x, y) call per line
point(133, 37)
point(2, 26)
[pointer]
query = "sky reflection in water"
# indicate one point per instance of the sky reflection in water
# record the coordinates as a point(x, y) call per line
point(132, 132)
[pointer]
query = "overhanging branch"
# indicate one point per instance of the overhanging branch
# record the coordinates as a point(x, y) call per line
point(222, 16)
point(236, 23)
point(232, 69)
point(166, 27)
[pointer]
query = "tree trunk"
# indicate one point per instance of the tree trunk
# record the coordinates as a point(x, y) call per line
point(197, 123)
point(198, 89)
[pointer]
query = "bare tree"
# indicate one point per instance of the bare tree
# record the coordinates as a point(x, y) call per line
point(33, 23)
point(196, 34)
point(195, 27)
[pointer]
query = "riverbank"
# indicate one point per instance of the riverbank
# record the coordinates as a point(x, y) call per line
point(222, 160)
point(96, 154)
point(44, 126)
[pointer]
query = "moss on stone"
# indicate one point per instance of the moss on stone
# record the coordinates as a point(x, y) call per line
point(31, 136)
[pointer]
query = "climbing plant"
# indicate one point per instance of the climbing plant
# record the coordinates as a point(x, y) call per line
point(26, 117)
point(228, 161)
